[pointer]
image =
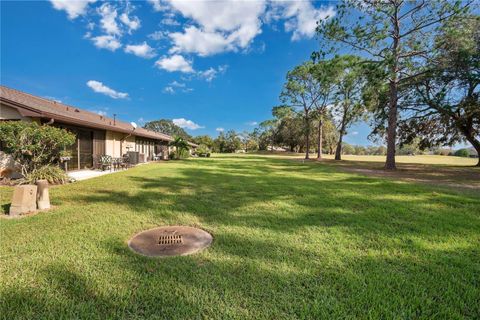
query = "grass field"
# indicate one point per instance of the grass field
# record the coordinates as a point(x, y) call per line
point(291, 240)
point(417, 159)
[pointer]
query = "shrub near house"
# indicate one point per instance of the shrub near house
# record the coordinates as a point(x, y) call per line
point(203, 151)
point(36, 149)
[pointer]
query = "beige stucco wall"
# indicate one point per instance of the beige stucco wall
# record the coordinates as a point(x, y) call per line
point(114, 141)
point(9, 113)
point(128, 144)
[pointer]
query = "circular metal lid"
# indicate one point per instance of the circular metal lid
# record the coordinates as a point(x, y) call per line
point(170, 241)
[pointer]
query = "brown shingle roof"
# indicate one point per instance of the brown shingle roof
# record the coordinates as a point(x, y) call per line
point(45, 108)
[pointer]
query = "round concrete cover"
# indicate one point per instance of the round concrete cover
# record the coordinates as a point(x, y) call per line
point(170, 241)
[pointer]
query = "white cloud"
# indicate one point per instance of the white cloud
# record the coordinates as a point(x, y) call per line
point(53, 99)
point(252, 123)
point(157, 5)
point(174, 86)
point(301, 17)
point(209, 74)
point(106, 42)
point(212, 27)
point(108, 20)
point(221, 15)
point(219, 129)
point(222, 26)
point(132, 23)
point(194, 40)
point(72, 8)
point(100, 112)
point(99, 87)
point(184, 123)
point(142, 50)
point(141, 121)
point(175, 63)
point(354, 133)
point(169, 90)
point(170, 22)
point(158, 35)
point(177, 84)
point(212, 73)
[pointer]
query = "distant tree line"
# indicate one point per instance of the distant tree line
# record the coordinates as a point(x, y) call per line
point(285, 132)
point(415, 79)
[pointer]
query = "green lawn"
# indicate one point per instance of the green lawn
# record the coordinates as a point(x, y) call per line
point(291, 240)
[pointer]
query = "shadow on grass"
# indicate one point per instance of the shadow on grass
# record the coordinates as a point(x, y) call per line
point(223, 197)
point(368, 255)
point(453, 176)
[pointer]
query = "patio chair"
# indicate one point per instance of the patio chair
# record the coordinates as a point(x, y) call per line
point(105, 162)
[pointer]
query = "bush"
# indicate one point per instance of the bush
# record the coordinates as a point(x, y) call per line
point(183, 154)
point(204, 155)
point(381, 151)
point(202, 151)
point(462, 153)
point(408, 150)
point(348, 149)
point(52, 173)
point(442, 151)
point(33, 146)
point(181, 148)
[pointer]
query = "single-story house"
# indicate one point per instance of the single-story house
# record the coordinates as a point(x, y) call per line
point(97, 135)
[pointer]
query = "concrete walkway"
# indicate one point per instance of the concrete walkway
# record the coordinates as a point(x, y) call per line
point(87, 174)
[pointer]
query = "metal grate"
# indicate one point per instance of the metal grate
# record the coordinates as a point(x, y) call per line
point(170, 239)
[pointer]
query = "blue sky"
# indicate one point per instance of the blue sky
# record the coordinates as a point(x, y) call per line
point(207, 64)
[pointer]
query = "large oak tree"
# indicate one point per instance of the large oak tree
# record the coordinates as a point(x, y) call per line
point(166, 126)
point(443, 105)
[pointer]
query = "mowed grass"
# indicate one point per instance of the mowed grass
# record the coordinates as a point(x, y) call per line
point(292, 240)
point(414, 159)
point(420, 159)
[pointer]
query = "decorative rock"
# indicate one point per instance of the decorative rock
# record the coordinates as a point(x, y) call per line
point(24, 200)
point(43, 197)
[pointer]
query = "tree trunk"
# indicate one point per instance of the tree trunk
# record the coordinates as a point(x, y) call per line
point(307, 147)
point(338, 151)
point(341, 133)
point(475, 143)
point(307, 140)
point(392, 128)
point(393, 99)
point(320, 137)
